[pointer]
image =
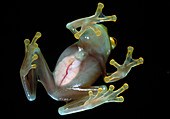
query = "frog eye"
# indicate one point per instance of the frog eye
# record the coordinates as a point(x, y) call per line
point(113, 42)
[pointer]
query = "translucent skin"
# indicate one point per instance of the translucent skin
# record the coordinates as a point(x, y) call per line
point(78, 67)
point(67, 70)
point(95, 50)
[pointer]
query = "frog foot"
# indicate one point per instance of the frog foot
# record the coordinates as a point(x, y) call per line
point(105, 96)
point(94, 99)
point(89, 22)
point(30, 49)
point(123, 70)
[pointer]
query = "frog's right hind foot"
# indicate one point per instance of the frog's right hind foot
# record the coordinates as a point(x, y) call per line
point(30, 54)
point(30, 47)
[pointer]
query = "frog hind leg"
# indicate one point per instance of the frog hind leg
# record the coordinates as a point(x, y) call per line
point(93, 100)
point(34, 68)
point(27, 71)
point(89, 22)
point(123, 70)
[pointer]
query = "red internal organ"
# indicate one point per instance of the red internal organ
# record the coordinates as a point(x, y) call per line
point(66, 70)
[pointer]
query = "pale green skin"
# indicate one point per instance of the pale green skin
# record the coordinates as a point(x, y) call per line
point(91, 52)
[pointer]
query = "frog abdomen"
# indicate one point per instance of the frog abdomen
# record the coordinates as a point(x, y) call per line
point(66, 70)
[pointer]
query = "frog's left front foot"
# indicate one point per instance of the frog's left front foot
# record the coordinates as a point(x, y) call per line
point(123, 70)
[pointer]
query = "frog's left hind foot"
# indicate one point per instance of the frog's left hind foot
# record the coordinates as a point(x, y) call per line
point(89, 22)
point(94, 100)
point(123, 70)
point(105, 97)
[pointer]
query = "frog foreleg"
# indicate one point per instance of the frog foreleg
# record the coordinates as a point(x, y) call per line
point(123, 70)
point(89, 22)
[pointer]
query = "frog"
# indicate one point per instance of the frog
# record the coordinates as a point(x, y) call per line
point(78, 67)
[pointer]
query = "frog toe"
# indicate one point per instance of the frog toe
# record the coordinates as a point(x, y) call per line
point(130, 61)
point(99, 9)
point(31, 49)
point(33, 66)
point(36, 37)
point(89, 22)
point(114, 95)
point(117, 99)
point(34, 57)
point(101, 17)
point(96, 30)
point(79, 33)
point(136, 62)
point(26, 42)
point(105, 96)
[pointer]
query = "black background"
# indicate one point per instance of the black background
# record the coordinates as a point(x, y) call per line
point(140, 27)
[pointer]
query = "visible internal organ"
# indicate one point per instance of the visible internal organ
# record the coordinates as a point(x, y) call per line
point(66, 70)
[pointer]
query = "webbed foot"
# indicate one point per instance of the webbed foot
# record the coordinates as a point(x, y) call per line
point(93, 100)
point(105, 97)
point(89, 22)
point(123, 70)
point(30, 55)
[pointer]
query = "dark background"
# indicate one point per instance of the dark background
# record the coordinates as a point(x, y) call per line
point(140, 27)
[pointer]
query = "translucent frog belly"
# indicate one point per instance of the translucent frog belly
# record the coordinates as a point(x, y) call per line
point(66, 70)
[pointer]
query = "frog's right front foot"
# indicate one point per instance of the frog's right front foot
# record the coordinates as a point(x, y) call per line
point(89, 22)
point(30, 54)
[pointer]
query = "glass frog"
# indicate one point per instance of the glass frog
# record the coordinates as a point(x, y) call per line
point(78, 67)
